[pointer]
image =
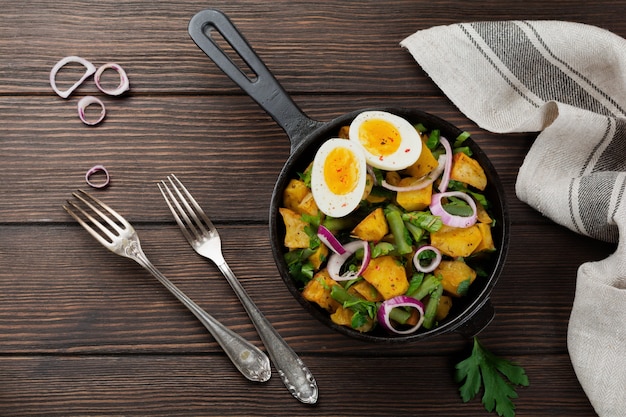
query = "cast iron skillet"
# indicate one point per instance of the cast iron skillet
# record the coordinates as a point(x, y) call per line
point(470, 314)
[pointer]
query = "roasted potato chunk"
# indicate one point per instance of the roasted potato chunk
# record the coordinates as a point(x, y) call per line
point(343, 317)
point(317, 290)
point(443, 308)
point(482, 214)
point(486, 244)
point(373, 227)
point(387, 276)
point(294, 193)
point(424, 164)
point(295, 236)
point(366, 290)
point(319, 256)
point(468, 170)
point(299, 198)
point(416, 199)
point(456, 241)
point(454, 274)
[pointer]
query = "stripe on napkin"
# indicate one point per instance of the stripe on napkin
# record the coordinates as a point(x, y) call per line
point(518, 76)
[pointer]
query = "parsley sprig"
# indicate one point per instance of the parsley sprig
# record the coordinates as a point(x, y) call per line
point(486, 370)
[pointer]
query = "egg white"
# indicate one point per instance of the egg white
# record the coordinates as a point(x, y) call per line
point(408, 150)
point(330, 203)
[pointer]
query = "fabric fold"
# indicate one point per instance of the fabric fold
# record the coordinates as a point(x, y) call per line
point(567, 81)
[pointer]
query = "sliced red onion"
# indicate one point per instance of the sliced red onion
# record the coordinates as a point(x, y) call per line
point(123, 86)
point(370, 170)
point(445, 178)
point(433, 264)
point(89, 69)
point(95, 169)
point(327, 238)
point(85, 102)
point(399, 301)
point(336, 261)
point(448, 219)
point(424, 181)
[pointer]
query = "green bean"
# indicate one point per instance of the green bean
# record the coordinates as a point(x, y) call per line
point(399, 231)
point(428, 286)
point(431, 307)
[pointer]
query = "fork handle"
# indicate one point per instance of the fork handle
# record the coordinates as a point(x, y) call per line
point(293, 372)
point(246, 357)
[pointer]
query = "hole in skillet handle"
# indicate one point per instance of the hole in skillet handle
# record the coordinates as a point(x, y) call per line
point(469, 314)
point(230, 52)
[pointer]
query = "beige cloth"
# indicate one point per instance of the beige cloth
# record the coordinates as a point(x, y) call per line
point(567, 81)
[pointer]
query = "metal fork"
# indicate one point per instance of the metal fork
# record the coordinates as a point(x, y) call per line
point(205, 240)
point(119, 236)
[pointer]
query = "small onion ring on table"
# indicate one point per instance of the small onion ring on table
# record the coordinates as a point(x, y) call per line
point(432, 265)
point(399, 301)
point(87, 101)
point(89, 70)
point(336, 261)
point(448, 219)
point(94, 170)
point(123, 86)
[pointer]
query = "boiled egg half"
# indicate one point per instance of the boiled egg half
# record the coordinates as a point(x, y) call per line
point(338, 177)
point(390, 142)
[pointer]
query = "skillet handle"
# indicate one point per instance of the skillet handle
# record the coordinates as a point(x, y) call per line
point(263, 88)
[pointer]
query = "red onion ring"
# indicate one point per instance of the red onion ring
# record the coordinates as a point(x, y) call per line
point(85, 102)
point(424, 181)
point(370, 170)
point(399, 301)
point(436, 208)
point(327, 238)
point(430, 267)
point(123, 86)
point(336, 261)
point(89, 69)
point(95, 169)
point(445, 178)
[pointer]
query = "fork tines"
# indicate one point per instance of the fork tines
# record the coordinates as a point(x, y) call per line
point(180, 205)
point(83, 210)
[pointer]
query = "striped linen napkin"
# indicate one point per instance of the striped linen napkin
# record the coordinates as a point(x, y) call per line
point(567, 81)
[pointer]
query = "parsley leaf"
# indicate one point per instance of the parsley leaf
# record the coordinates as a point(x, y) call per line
point(363, 310)
point(460, 139)
point(458, 207)
point(299, 268)
point(306, 177)
point(463, 287)
point(486, 370)
point(424, 220)
point(433, 139)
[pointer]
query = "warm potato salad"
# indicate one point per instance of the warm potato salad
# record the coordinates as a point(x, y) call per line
point(388, 225)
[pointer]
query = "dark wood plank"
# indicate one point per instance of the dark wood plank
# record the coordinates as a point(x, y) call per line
point(180, 385)
point(151, 40)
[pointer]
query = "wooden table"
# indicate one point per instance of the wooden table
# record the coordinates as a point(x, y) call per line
point(84, 332)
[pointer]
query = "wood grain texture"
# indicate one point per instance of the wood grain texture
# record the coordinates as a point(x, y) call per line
point(182, 385)
point(84, 332)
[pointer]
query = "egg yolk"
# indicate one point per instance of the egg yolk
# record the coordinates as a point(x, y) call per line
point(379, 137)
point(341, 172)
